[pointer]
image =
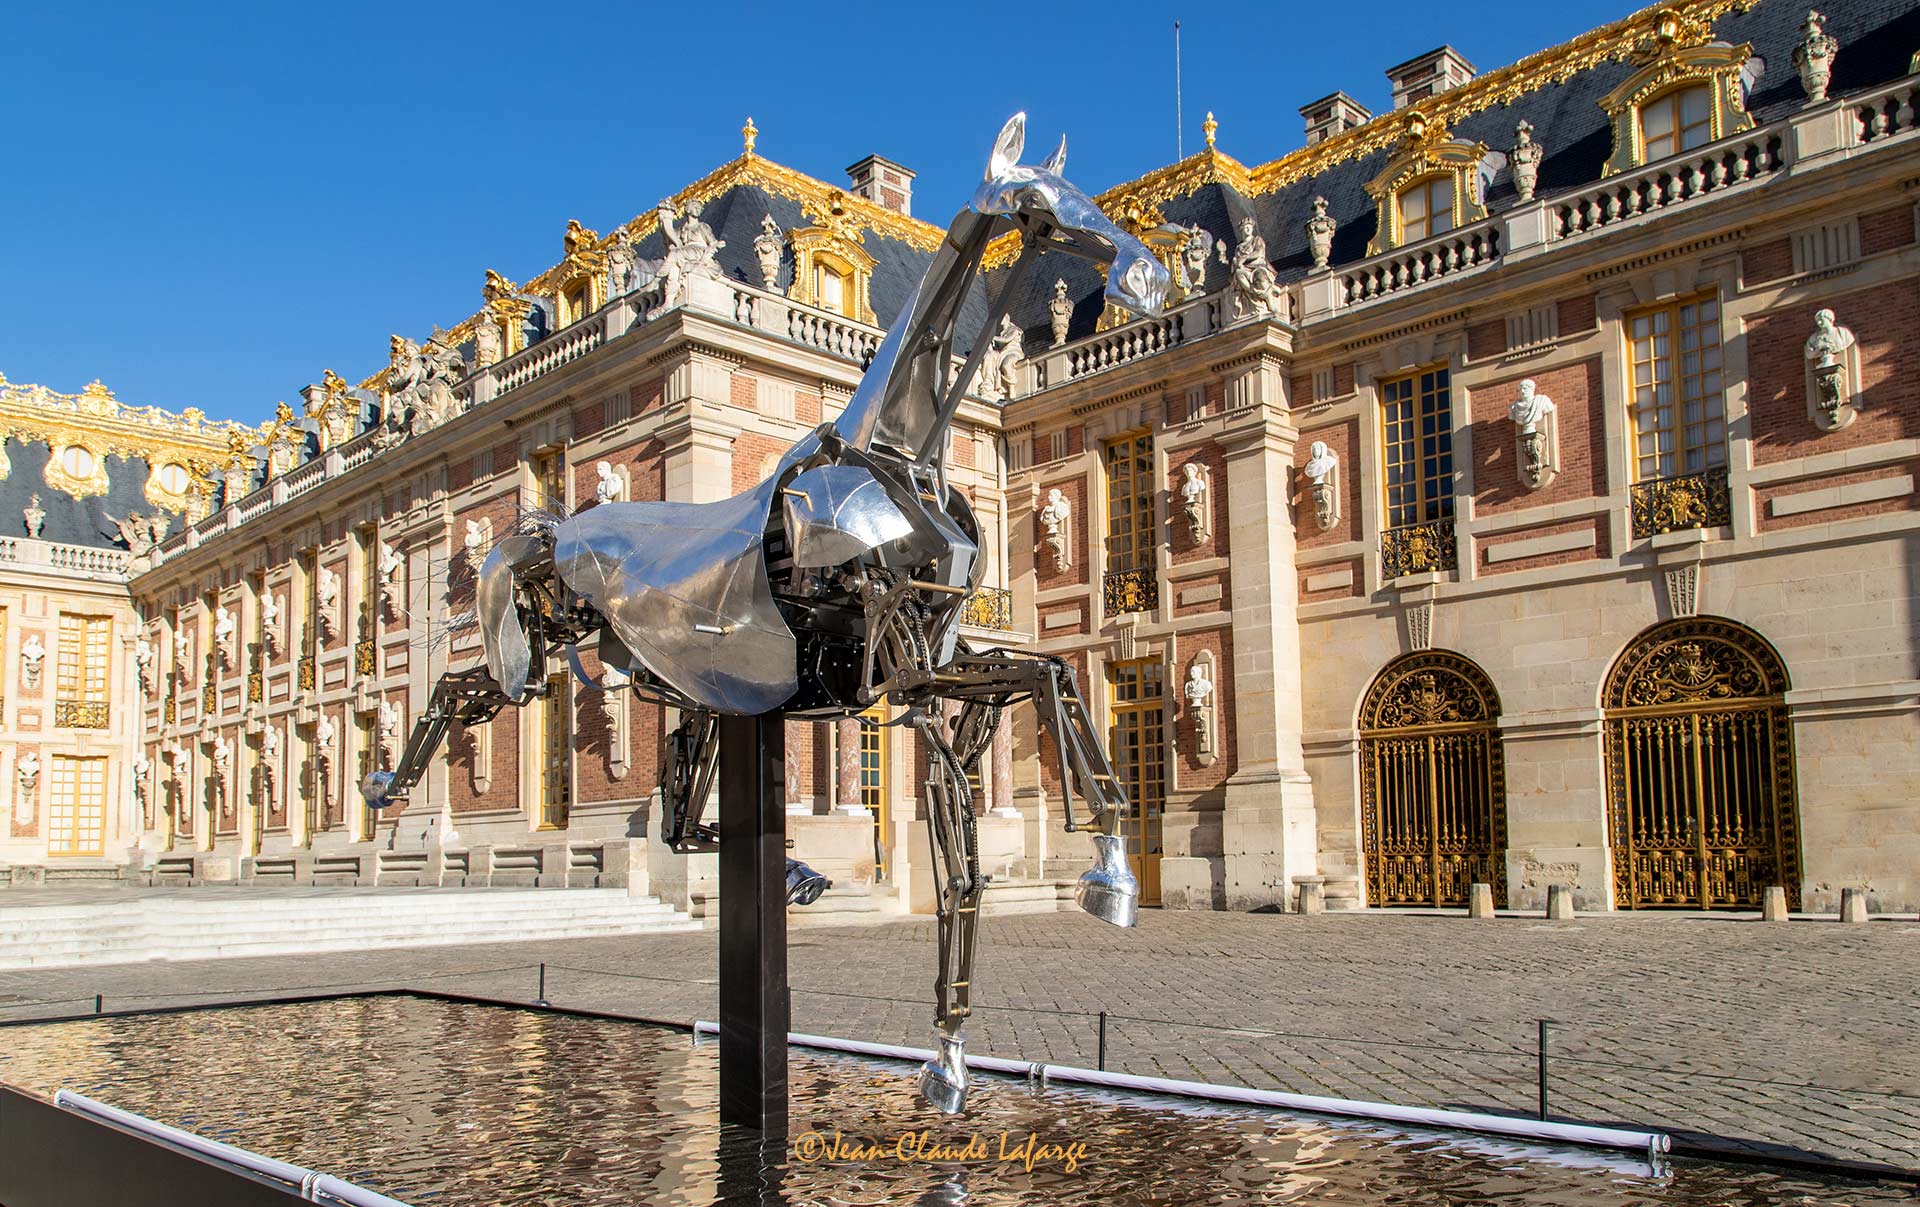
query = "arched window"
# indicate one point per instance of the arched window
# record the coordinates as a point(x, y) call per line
point(1433, 792)
point(1676, 121)
point(1701, 808)
point(831, 287)
point(1426, 209)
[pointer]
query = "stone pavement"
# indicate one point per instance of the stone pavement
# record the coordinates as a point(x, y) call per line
point(1707, 1026)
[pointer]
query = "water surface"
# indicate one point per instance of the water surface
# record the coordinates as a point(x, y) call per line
point(480, 1106)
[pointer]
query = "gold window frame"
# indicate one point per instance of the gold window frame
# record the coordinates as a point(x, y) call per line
point(1140, 486)
point(1672, 359)
point(1425, 153)
point(1430, 500)
point(1673, 67)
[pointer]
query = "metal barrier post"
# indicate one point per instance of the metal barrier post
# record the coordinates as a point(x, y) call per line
point(540, 996)
point(1543, 1067)
point(1103, 1042)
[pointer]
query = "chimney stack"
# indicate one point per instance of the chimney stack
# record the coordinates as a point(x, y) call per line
point(1329, 115)
point(883, 181)
point(1435, 71)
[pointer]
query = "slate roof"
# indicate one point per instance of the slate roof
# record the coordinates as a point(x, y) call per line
point(71, 521)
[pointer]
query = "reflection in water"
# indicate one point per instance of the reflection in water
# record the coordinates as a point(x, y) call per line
point(441, 1103)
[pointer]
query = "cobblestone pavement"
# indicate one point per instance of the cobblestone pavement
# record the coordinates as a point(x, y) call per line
point(1710, 1027)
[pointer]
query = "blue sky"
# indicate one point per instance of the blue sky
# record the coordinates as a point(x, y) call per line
point(206, 205)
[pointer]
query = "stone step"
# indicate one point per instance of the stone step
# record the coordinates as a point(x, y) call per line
point(1005, 897)
point(847, 905)
point(169, 928)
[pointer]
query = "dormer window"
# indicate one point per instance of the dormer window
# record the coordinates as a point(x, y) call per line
point(1426, 208)
point(579, 304)
point(1676, 121)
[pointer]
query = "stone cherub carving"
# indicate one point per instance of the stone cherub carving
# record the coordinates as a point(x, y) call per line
point(1322, 472)
point(1829, 353)
point(1533, 414)
point(327, 594)
point(1195, 250)
point(1198, 690)
point(420, 382)
point(1060, 310)
point(692, 249)
point(766, 248)
point(144, 656)
point(607, 487)
point(1255, 291)
point(999, 373)
point(1525, 159)
point(224, 628)
point(35, 516)
point(1813, 56)
point(33, 655)
point(623, 263)
point(1320, 230)
point(1196, 498)
point(391, 562)
point(1056, 519)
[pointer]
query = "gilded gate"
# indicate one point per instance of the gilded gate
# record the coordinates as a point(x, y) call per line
point(1701, 796)
point(1432, 782)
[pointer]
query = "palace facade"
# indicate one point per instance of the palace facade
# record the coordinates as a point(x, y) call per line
point(1520, 489)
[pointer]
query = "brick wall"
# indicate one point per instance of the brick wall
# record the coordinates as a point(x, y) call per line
point(751, 453)
point(1487, 340)
point(1485, 550)
point(1765, 495)
point(1769, 261)
point(1580, 412)
point(647, 393)
point(1046, 577)
point(504, 790)
point(1191, 775)
point(1884, 319)
point(1886, 230)
point(1577, 314)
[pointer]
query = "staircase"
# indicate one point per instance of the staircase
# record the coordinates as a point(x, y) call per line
point(196, 924)
point(848, 905)
point(1026, 897)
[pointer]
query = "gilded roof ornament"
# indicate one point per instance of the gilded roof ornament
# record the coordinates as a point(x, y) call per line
point(1209, 128)
point(749, 134)
point(579, 240)
point(497, 287)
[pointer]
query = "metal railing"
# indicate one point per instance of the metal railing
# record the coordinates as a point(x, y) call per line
point(1419, 548)
point(988, 608)
point(1696, 500)
point(80, 714)
point(1125, 591)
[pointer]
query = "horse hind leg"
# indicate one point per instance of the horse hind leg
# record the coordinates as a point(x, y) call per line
point(953, 831)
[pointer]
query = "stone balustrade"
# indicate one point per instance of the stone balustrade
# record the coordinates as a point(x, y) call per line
point(1420, 263)
point(1883, 114)
point(1125, 343)
point(82, 561)
point(1748, 157)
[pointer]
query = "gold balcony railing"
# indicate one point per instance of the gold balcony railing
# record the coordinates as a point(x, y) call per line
point(1698, 500)
point(306, 673)
point(1131, 591)
point(1418, 548)
point(80, 714)
point(172, 710)
point(988, 608)
point(209, 698)
point(256, 687)
point(363, 658)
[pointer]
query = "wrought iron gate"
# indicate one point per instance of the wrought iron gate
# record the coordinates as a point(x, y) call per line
point(1432, 783)
point(1701, 808)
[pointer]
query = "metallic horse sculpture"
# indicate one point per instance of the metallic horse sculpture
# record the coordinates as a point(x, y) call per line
point(835, 583)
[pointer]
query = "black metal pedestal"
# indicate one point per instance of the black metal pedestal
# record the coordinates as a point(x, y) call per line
point(754, 1003)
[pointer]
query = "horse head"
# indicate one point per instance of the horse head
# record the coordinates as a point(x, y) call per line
point(1043, 202)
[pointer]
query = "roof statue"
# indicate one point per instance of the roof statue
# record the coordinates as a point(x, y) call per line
point(835, 583)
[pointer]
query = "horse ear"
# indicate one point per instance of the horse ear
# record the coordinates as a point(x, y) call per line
point(1007, 147)
point(1057, 162)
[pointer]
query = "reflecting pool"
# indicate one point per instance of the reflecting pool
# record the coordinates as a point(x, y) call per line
point(439, 1102)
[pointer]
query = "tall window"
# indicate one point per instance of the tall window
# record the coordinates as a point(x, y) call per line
point(1130, 503)
point(1679, 121)
point(367, 545)
point(368, 735)
point(1139, 758)
point(1679, 415)
point(873, 763)
point(1416, 413)
point(1426, 209)
point(550, 479)
point(81, 690)
point(77, 812)
point(556, 742)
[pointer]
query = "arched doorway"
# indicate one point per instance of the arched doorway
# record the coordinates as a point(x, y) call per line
point(1701, 805)
point(1433, 791)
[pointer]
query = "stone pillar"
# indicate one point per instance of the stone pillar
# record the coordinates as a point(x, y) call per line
point(1267, 828)
point(1853, 905)
point(846, 778)
point(1559, 902)
point(1773, 904)
point(1000, 784)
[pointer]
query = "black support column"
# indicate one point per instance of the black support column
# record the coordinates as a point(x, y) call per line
point(754, 1003)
